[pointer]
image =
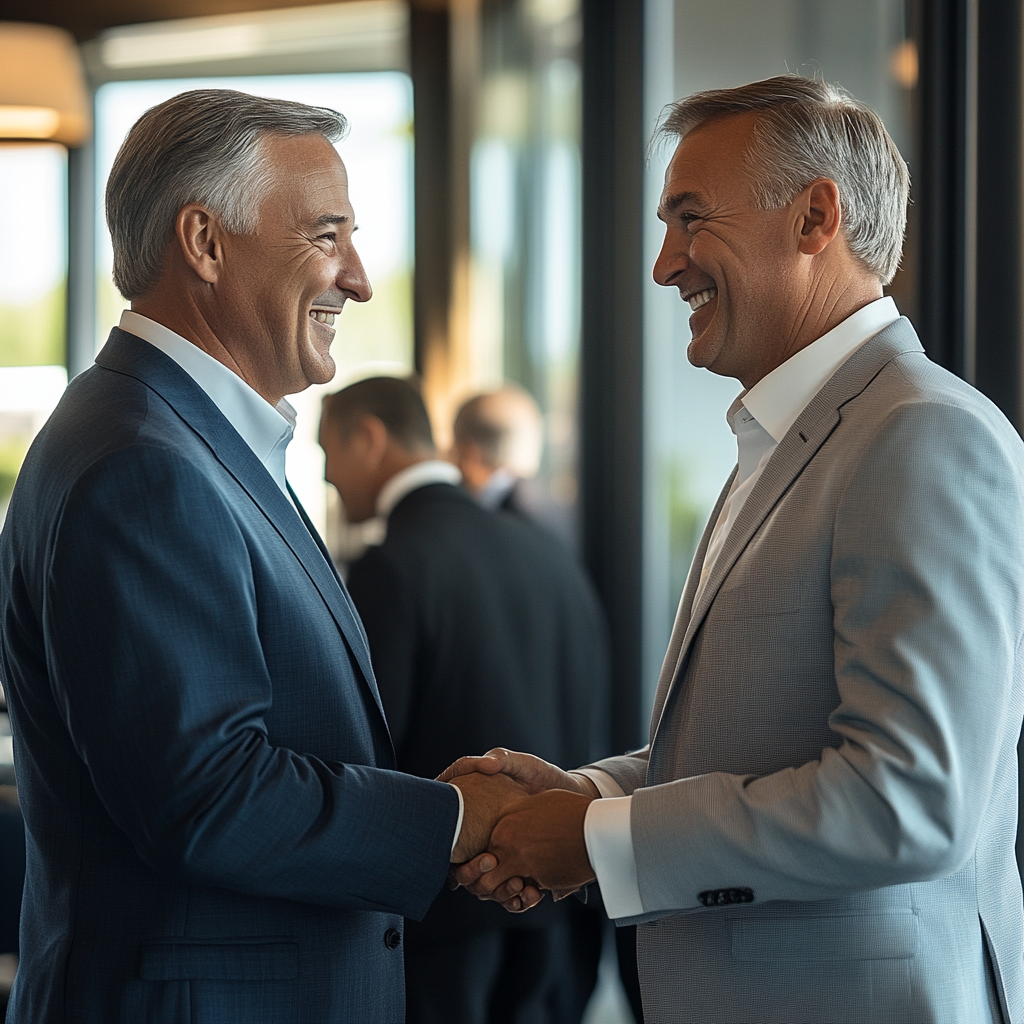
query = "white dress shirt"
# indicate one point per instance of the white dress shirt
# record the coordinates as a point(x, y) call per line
point(266, 429)
point(760, 418)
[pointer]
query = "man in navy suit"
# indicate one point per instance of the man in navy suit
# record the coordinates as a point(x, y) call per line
point(215, 829)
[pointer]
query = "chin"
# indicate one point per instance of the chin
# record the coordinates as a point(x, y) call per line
point(320, 370)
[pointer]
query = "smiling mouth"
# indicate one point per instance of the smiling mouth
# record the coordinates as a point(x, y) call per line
point(324, 316)
point(699, 299)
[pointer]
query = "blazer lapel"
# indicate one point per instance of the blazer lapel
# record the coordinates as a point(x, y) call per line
point(684, 611)
point(795, 450)
point(127, 354)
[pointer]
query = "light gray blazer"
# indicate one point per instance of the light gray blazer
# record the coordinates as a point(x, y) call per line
point(834, 734)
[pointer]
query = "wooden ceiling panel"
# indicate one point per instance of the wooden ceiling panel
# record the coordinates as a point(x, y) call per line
point(87, 18)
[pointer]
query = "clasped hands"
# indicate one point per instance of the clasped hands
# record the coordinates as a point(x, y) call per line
point(522, 828)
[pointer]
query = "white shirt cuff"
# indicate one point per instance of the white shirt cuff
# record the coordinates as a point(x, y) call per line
point(606, 785)
point(462, 811)
point(610, 848)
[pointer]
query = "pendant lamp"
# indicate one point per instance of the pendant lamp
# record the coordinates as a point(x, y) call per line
point(42, 89)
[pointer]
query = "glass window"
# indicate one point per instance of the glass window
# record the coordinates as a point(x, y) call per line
point(33, 274)
point(693, 45)
point(525, 215)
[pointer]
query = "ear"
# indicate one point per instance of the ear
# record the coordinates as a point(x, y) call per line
point(375, 438)
point(199, 237)
point(820, 214)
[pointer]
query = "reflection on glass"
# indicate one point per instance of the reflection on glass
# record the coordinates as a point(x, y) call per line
point(525, 215)
point(693, 45)
point(372, 337)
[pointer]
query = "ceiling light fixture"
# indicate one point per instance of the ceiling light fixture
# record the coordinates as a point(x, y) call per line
point(42, 91)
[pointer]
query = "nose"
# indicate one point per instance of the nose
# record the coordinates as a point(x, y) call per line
point(352, 279)
point(673, 259)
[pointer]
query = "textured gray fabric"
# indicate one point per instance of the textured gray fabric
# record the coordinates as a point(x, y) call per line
point(836, 722)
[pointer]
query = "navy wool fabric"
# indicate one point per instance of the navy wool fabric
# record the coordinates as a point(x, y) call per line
point(215, 830)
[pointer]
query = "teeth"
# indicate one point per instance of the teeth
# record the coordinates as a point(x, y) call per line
point(323, 317)
point(702, 298)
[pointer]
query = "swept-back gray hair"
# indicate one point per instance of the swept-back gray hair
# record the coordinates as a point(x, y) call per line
point(202, 147)
point(806, 129)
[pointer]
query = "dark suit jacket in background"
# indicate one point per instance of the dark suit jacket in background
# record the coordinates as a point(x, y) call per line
point(484, 633)
point(215, 830)
point(530, 500)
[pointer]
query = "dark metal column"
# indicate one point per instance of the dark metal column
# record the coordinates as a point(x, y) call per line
point(82, 228)
point(945, 182)
point(1000, 124)
point(611, 364)
point(430, 65)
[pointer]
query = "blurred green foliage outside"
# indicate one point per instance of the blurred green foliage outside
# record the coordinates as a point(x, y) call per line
point(32, 333)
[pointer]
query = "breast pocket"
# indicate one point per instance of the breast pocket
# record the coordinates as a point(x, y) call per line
point(888, 936)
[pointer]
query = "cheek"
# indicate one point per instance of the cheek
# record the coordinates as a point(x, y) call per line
point(703, 250)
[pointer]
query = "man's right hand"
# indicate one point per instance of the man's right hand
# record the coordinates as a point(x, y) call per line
point(532, 773)
point(486, 798)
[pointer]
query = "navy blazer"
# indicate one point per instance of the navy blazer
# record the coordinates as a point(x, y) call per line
point(215, 830)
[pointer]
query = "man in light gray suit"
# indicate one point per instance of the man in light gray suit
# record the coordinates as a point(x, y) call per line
point(822, 825)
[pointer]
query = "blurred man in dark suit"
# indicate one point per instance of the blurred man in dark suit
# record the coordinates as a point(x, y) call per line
point(498, 437)
point(480, 627)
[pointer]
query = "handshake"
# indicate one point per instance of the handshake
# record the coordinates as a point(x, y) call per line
point(522, 828)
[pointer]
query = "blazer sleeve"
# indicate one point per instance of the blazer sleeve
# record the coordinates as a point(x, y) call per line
point(925, 580)
point(151, 618)
point(629, 770)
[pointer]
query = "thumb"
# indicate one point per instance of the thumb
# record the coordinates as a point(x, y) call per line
point(488, 764)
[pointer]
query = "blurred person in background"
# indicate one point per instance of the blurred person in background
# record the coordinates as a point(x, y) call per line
point(498, 440)
point(480, 627)
point(498, 443)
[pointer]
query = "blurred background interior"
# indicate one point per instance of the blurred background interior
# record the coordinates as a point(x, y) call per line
point(505, 194)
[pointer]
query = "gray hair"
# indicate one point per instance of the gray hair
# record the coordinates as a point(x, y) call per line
point(806, 129)
point(202, 146)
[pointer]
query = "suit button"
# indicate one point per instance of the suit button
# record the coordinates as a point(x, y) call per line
point(392, 937)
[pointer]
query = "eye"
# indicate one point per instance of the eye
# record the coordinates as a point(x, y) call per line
point(690, 221)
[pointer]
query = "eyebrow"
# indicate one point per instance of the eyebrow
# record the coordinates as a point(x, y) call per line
point(672, 203)
point(330, 219)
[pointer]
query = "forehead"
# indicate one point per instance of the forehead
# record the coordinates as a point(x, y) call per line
point(306, 174)
point(709, 163)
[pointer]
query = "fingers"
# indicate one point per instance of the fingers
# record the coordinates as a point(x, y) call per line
point(486, 880)
point(469, 874)
point(514, 894)
point(487, 764)
point(525, 900)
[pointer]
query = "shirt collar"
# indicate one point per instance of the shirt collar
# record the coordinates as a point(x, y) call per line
point(432, 471)
point(497, 488)
point(266, 429)
point(779, 397)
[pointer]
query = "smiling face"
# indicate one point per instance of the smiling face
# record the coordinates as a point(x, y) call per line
point(739, 268)
point(283, 286)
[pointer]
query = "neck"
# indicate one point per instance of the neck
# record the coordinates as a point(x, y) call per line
point(179, 313)
point(825, 307)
